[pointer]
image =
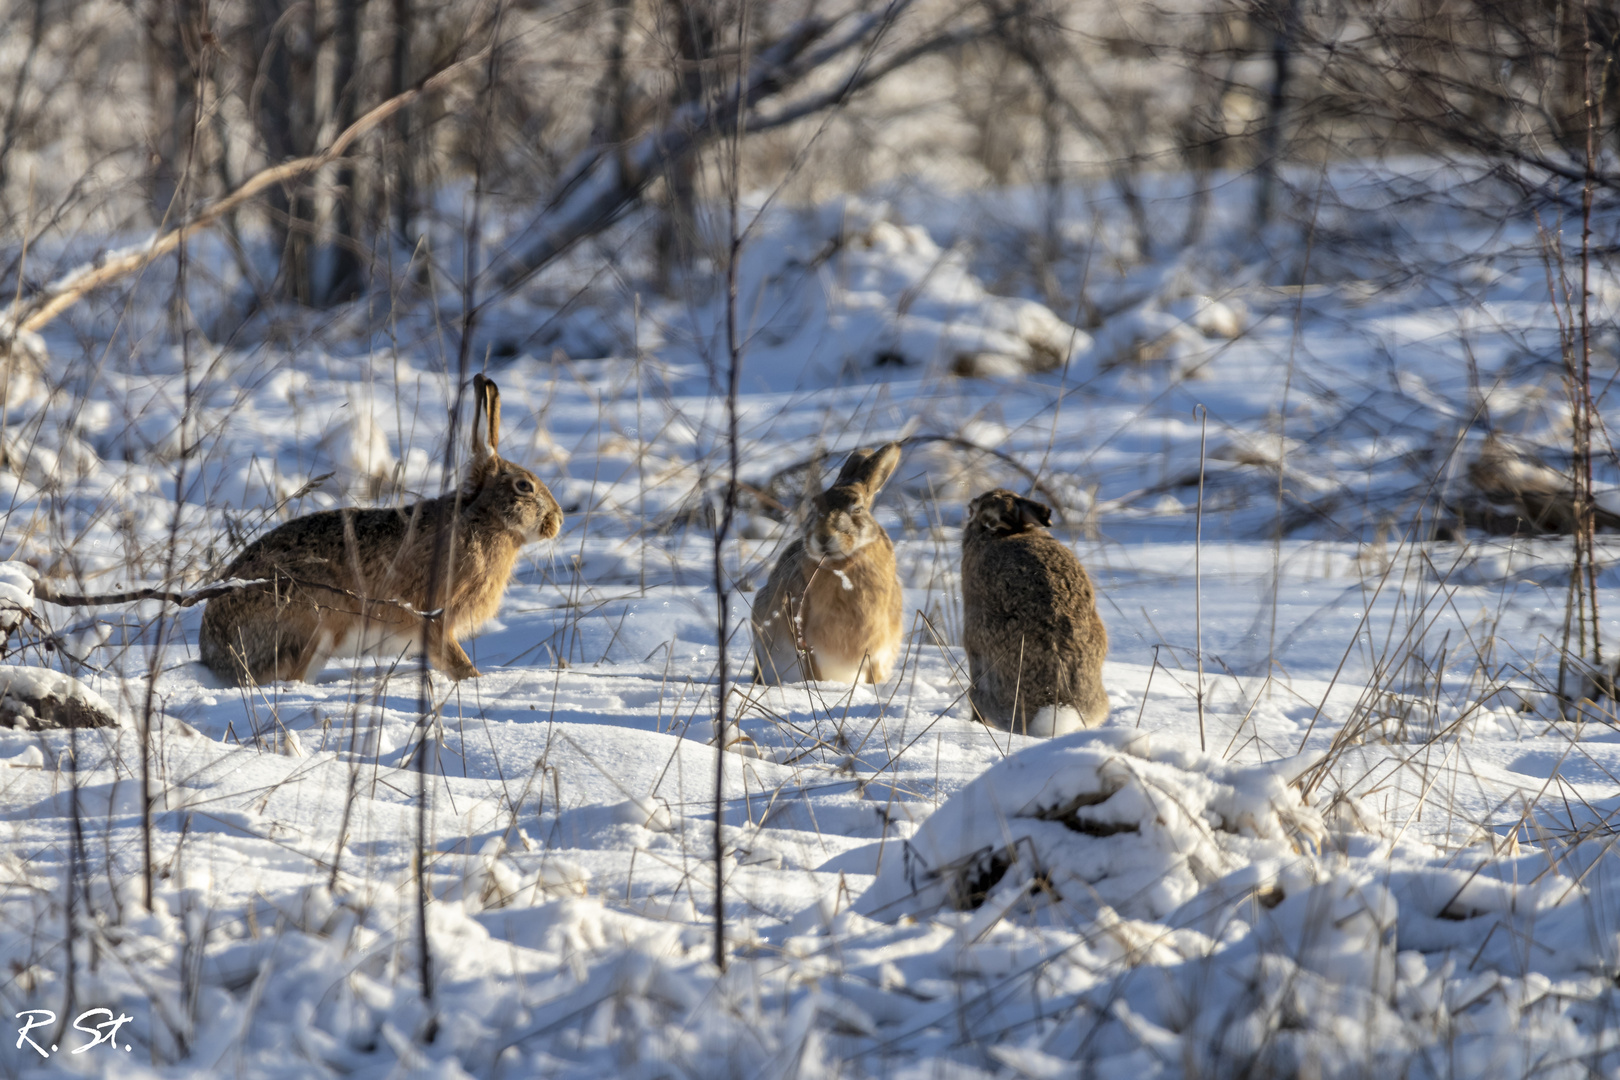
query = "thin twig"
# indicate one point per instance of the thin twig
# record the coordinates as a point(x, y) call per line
point(1198, 572)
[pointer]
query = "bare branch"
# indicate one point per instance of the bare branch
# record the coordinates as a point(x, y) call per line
point(604, 181)
point(38, 310)
point(190, 597)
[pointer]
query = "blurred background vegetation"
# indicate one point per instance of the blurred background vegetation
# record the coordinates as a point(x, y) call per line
point(120, 116)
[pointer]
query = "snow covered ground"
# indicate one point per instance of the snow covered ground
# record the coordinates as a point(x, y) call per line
point(1388, 855)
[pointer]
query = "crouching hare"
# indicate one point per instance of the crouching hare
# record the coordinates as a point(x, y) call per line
point(1034, 642)
point(355, 581)
point(831, 609)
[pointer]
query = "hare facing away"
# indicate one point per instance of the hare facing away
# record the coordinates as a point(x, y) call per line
point(831, 608)
point(1034, 642)
point(357, 581)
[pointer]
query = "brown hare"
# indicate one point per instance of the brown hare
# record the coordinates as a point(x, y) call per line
point(831, 609)
point(1034, 642)
point(352, 581)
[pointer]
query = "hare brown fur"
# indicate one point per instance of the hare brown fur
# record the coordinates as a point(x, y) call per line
point(359, 581)
point(1034, 641)
point(831, 608)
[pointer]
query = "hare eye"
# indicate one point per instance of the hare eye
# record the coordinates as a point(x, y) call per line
point(524, 487)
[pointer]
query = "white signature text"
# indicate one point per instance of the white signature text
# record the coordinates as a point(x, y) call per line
point(104, 1032)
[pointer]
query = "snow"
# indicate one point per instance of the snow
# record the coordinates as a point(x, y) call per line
point(34, 695)
point(1112, 817)
point(1388, 855)
point(1052, 720)
point(16, 594)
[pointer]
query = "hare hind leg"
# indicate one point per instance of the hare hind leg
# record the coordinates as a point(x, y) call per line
point(777, 661)
point(1091, 700)
point(989, 709)
point(984, 693)
point(296, 647)
point(776, 649)
point(880, 662)
point(261, 638)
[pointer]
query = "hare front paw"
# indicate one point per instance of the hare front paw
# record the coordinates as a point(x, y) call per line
point(450, 658)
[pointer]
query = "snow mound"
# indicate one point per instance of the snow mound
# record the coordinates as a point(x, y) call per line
point(1109, 817)
point(38, 698)
point(907, 301)
point(358, 446)
point(1050, 720)
point(1176, 336)
point(849, 292)
point(16, 594)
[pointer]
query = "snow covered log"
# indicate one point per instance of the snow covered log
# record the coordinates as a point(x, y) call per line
point(40, 699)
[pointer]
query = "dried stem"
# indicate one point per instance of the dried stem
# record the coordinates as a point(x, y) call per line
point(1198, 570)
point(734, 357)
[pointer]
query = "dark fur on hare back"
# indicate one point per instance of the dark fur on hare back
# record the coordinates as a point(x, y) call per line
point(289, 628)
point(1029, 614)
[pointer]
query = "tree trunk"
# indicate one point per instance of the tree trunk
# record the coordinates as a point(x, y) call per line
point(13, 120)
point(346, 277)
point(612, 125)
point(404, 194)
point(283, 64)
point(677, 227)
point(1282, 51)
point(172, 32)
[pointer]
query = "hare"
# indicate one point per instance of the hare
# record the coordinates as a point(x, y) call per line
point(1034, 642)
point(358, 581)
point(831, 608)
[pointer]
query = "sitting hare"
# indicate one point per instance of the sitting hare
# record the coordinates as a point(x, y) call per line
point(1034, 642)
point(831, 609)
point(357, 581)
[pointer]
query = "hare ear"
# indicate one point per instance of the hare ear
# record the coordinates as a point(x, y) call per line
point(851, 471)
point(486, 440)
point(492, 409)
point(480, 445)
point(1032, 513)
point(869, 470)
